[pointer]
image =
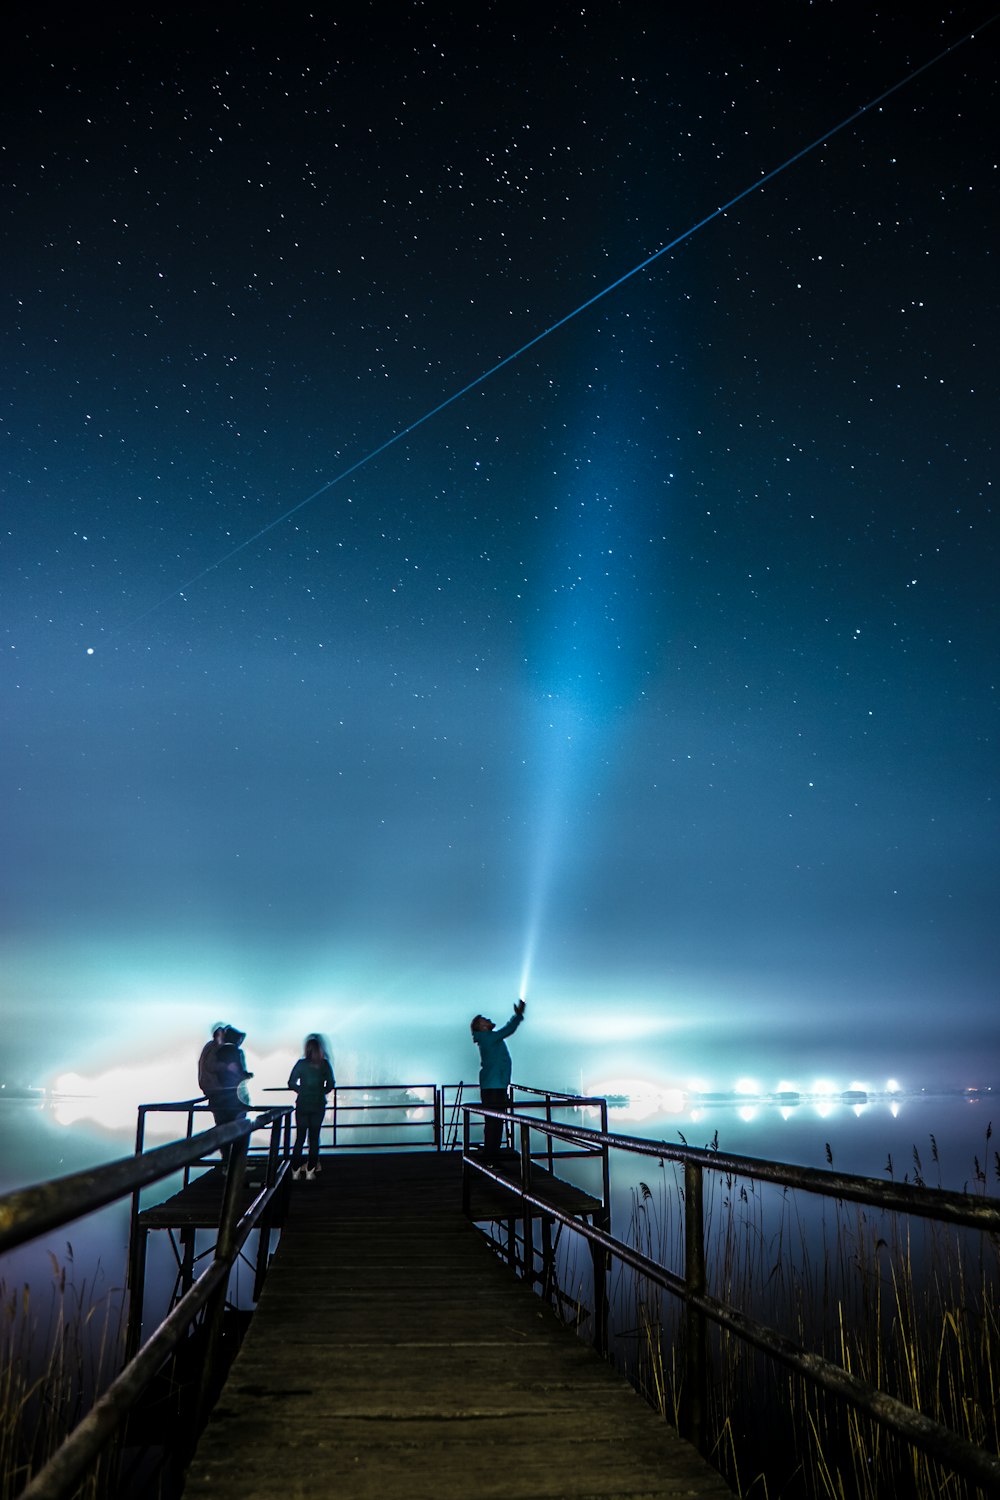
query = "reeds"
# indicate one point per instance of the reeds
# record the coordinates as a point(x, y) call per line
point(58, 1351)
point(906, 1304)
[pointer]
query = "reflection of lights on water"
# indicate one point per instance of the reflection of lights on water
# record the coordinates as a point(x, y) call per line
point(747, 1112)
point(894, 1109)
point(111, 1099)
point(787, 1110)
point(637, 1098)
point(696, 1115)
point(859, 1110)
point(824, 1108)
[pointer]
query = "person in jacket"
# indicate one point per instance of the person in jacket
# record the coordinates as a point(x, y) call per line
point(311, 1079)
point(228, 1097)
point(494, 1073)
point(207, 1080)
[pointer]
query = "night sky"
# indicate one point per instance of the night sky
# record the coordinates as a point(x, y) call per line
point(657, 671)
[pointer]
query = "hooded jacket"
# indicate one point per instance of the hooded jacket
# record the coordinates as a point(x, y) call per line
point(494, 1059)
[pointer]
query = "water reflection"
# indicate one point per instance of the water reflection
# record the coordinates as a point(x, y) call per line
point(900, 1134)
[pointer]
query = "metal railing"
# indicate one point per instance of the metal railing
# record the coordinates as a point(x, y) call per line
point(980, 1467)
point(398, 1116)
point(406, 1119)
point(30, 1212)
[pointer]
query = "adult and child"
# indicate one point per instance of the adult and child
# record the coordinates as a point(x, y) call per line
point(223, 1076)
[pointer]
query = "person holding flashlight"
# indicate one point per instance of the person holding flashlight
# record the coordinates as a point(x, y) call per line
point(494, 1073)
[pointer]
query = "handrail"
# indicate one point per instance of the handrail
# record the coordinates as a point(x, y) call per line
point(29, 1212)
point(967, 1209)
point(976, 1464)
point(343, 1114)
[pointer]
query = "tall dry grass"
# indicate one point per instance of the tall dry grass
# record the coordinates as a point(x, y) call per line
point(908, 1305)
point(60, 1346)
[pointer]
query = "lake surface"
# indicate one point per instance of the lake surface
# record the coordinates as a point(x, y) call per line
point(35, 1146)
point(951, 1134)
point(859, 1138)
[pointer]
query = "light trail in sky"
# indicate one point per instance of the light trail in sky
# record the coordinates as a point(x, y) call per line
point(612, 286)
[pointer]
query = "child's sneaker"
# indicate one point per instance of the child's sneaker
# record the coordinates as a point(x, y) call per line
point(296, 1173)
point(310, 1174)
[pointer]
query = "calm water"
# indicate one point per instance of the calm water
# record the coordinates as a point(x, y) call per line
point(34, 1147)
point(858, 1138)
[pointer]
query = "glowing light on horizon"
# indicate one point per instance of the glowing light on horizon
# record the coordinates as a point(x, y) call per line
point(111, 1099)
point(638, 1099)
point(747, 1086)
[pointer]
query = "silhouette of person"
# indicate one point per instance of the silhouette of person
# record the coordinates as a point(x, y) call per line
point(228, 1097)
point(207, 1078)
point(312, 1079)
point(494, 1073)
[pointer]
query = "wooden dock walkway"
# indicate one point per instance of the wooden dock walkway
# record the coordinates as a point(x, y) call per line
point(393, 1356)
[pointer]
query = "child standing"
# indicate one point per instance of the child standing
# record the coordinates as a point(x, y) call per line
point(312, 1079)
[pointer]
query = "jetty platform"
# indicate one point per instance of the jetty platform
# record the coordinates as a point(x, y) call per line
point(395, 1356)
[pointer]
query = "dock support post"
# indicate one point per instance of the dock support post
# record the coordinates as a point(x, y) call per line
point(136, 1287)
point(548, 1259)
point(694, 1403)
point(188, 1237)
point(599, 1257)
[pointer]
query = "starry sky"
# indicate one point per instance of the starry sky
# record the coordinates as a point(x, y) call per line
point(655, 674)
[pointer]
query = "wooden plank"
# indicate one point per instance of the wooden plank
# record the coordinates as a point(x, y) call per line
point(393, 1355)
point(199, 1203)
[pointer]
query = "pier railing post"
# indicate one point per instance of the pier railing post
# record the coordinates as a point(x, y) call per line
point(236, 1161)
point(136, 1273)
point(527, 1224)
point(188, 1133)
point(264, 1231)
point(694, 1396)
point(466, 1176)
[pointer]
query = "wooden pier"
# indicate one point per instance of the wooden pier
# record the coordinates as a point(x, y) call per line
point(393, 1354)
